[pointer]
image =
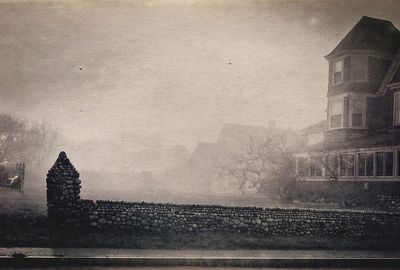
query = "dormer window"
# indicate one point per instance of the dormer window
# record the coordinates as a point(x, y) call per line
point(338, 72)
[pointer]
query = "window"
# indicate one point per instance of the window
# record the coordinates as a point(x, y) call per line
point(379, 164)
point(335, 113)
point(396, 108)
point(338, 72)
point(332, 165)
point(346, 164)
point(302, 166)
point(357, 112)
point(384, 164)
point(365, 164)
point(315, 167)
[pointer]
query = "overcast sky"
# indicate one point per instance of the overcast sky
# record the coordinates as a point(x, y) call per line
point(176, 70)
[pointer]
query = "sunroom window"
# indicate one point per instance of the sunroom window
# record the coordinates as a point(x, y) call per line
point(384, 164)
point(366, 164)
point(315, 167)
point(347, 164)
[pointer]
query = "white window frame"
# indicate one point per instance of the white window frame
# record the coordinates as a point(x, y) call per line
point(384, 163)
point(330, 102)
point(333, 71)
point(363, 112)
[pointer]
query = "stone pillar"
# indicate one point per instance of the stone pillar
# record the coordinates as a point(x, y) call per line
point(63, 192)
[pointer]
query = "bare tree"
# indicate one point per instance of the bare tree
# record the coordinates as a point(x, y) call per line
point(333, 165)
point(20, 142)
point(268, 165)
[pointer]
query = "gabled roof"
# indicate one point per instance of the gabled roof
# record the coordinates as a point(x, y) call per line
point(372, 35)
point(390, 74)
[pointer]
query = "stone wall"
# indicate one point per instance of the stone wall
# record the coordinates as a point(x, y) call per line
point(63, 192)
point(389, 201)
point(160, 218)
point(66, 207)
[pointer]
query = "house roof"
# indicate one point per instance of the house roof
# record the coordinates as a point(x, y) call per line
point(377, 140)
point(369, 34)
point(316, 127)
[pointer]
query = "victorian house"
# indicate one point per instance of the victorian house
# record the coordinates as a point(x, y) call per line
point(360, 138)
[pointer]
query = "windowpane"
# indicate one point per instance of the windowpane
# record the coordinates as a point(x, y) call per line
point(336, 107)
point(357, 112)
point(333, 164)
point(315, 167)
point(370, 164)
point(388, 163)
point(357, 106)
point(338, 72)
point(337, 77)
point(356, 119)
point(362, 157)
point(379, 163)
point(347, 165)
point(338, 66)
point(336, 121)
point(302, 166)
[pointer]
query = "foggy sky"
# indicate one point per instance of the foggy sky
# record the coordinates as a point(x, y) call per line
point(173, 71)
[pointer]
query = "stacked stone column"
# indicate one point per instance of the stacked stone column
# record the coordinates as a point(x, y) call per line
point(63, 192)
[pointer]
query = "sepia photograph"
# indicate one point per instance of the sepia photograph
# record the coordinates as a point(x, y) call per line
point(199, 134)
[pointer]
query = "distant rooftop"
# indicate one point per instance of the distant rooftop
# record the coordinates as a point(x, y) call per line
point(370, 34)
point(317, 127)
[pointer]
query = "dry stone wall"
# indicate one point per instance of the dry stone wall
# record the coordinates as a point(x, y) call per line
point(161, 218)
point(63, 192)
point(66, 207)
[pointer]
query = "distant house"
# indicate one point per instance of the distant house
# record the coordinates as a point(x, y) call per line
point(202, 173)
point(360, 138)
